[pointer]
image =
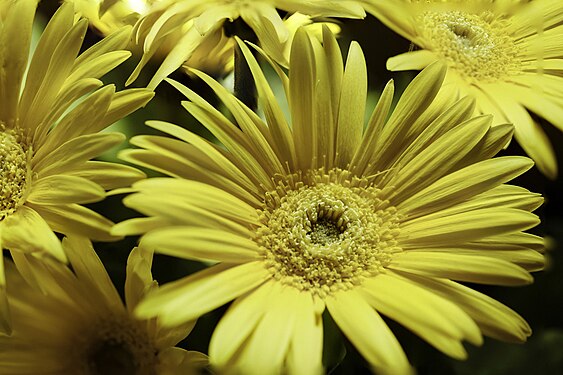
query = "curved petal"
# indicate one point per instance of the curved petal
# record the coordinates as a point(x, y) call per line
point(368, 332)
point(495, 319)
point(186, 299)
point(437, 320)
point(73, 218)
point(26, 231)
point(471, 268)
point(172, 361)
point(202, 244)
point(61, 189)
point(237, 324)
point(267, 347)
point(415, 60)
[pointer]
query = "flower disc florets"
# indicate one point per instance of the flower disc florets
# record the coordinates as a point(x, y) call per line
point(324, 232)
point(476, 45)
point(14, 171)
point(116, 345)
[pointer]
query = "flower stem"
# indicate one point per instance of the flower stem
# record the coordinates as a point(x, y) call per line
point(244, 86)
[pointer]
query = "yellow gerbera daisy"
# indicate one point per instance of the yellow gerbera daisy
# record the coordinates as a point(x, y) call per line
point(208, 18)
point(323, 213)
point(78, 324)
point(508, 54)
point(213, 56)
point(50, 116)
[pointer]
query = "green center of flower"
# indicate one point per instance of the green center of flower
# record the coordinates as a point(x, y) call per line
point(477, 46)
point(117, 346)
point(14, 171)
point(326, 232)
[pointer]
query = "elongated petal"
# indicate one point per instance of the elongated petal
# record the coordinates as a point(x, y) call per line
point(267, 347)
point(368, 332)
point(435, 319)
point(90, 270)
point(73, 218)
point(301, 97)
point(189, 298)
point(415, 60)
point(107, 175)
point(465, 183)
point(465, 226)
point(202, 244)
point(495, 319)
point(237, 324)
point(13, 56)
point(305, 354)
point(60, 189)
point(26, 230)
point(77, 150)
point(351, 111)
point(472, 268)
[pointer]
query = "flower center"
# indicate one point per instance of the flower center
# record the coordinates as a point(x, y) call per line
point(326, 232)
point(14, 171)
point(477, 46)
point(117, 346)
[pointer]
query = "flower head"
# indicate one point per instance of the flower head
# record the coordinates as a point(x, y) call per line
point(325, 213)
point(505, 53)
point(50, 116)
point(202, 21)
point(77, 323)
point(214, 55)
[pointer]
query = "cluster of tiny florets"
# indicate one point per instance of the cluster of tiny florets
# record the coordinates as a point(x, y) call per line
point(477, 46)
point(322, 232)
point(116, 341)
point(14, 171)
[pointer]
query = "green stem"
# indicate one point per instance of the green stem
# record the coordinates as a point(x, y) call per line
point(244, 86)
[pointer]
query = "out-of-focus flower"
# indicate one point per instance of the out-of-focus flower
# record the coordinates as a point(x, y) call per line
point(214, 55)
point(78, 324)
point(51, 115)
point(208, 18)
point(507, 54)
point(319, 212)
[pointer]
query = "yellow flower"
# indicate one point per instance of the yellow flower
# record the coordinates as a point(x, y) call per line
point(50, 116)
point(77, 324)
point(213, 56)
point(505, 53)
point(325, 213)
point(207, 18)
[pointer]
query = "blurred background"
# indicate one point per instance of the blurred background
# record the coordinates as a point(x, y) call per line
point(541, 303)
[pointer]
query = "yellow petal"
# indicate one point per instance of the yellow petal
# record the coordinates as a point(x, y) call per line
point(368, 332)
point(237, 324)
point(494, 319)
point(27, 231)
point(415, 60)
point(73, 218)
point(471, 268)
point(351, 110)
point(464, 183)
point(15, 38)
point(186, 299)
point(61, 189)
point(435, 319)
point(465, 225)
point(206, 244)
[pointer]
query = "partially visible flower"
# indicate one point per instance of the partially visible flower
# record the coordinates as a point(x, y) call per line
point(51, 115)
point(78, 324)
point(208, 16)
point(507, 54)
point(318, 211)
point(214, 55)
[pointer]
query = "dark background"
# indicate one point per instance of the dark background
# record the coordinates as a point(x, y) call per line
point(541, 303)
